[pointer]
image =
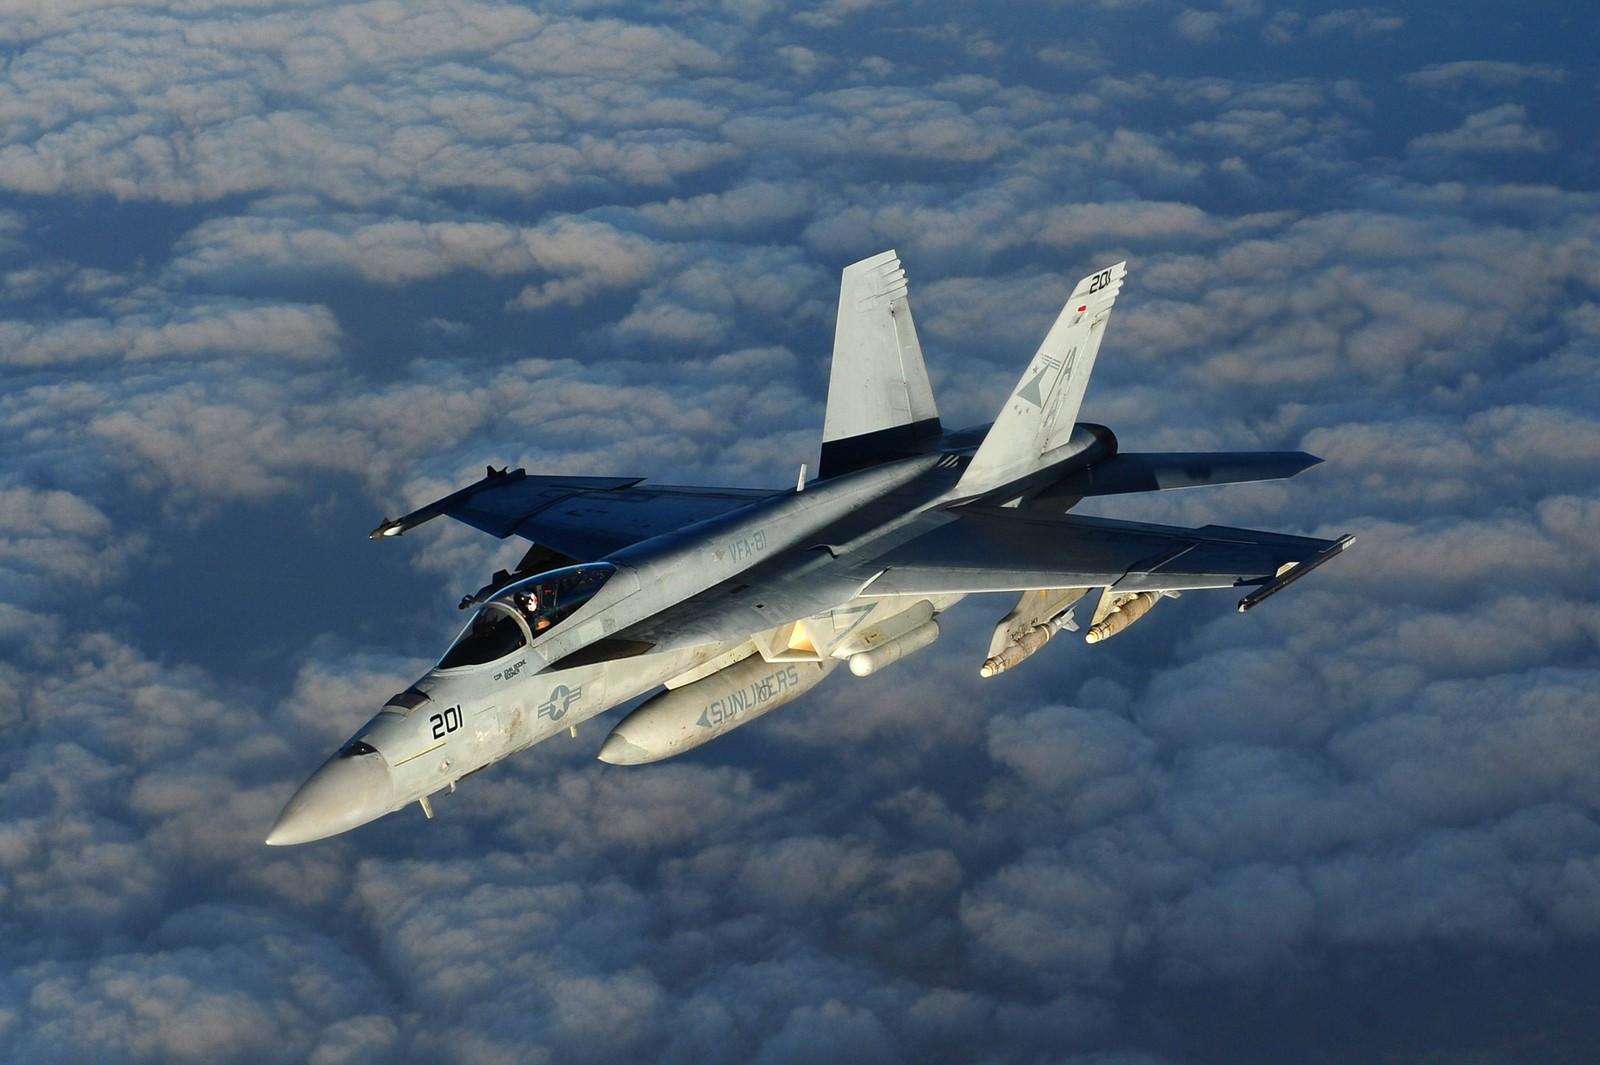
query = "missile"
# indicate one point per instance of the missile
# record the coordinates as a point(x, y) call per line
point(1130, 611)
point(683, 718)
point(866, 663)
point(1025, 644)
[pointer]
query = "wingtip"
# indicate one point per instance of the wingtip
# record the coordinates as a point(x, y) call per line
point(388, 527)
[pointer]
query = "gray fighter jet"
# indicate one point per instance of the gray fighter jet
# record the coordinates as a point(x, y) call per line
point(735, 601)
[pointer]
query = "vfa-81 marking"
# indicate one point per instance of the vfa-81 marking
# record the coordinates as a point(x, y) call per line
point(736, 601)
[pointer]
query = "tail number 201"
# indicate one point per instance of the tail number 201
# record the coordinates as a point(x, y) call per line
point(1101, 280)
point(446, 722)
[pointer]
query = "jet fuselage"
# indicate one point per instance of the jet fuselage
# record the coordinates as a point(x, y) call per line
point(738, 601)
point(455, 721)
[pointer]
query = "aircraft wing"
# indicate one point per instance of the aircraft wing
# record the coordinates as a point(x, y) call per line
point(974, 549)
point(1000, 549)
point(584, 517)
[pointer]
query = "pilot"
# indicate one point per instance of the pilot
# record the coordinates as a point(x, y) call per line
point(529, 602)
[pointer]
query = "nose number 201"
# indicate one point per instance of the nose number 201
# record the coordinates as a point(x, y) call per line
point(446, 722)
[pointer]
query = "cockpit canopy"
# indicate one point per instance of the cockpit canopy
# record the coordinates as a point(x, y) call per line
point(525, 611)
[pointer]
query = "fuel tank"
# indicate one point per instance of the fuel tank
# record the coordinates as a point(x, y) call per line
point(684, 718)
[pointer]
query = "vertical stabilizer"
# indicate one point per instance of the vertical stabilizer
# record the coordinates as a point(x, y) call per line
point(879, 401)
point(1043, 407)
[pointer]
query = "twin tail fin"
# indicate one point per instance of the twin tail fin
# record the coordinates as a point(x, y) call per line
point(1042, 409)
point(880, 403)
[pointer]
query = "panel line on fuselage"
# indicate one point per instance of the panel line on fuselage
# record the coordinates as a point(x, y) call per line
point(419, 754)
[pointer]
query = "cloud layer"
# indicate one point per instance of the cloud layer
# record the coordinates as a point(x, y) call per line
point(268, 271)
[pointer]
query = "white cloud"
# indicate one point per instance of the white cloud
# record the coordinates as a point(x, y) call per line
point(743, 209)
point(264, 201)
point(1499, 129)
point(212, 329)
point(700, 300)
point(1202, 27)
point(579, 258)
point(1358, 22)
point(833, 12)
point(364, 98)
point(1452, 76)
point(881, 122)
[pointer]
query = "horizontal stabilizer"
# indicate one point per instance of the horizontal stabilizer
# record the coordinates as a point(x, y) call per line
point(1159, 471)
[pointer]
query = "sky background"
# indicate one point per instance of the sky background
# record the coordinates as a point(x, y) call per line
point(272, 271)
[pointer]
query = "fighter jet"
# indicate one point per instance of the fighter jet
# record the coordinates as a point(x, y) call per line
point(735, 601)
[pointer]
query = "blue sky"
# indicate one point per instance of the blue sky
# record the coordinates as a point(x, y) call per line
point(272, 271)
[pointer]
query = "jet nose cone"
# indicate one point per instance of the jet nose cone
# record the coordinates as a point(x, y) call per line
point(348, 790)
